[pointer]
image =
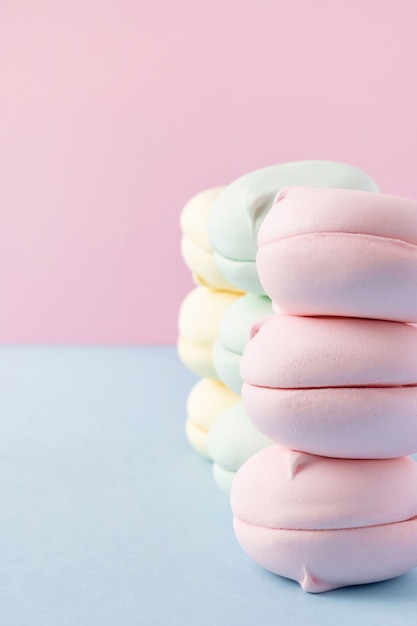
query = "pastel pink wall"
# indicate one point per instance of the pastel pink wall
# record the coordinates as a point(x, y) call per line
point(113, 113)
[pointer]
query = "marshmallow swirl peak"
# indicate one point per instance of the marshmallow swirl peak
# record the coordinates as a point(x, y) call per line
point(284, 489)
point(340, 252)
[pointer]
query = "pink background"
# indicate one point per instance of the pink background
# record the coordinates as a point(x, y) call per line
point(112, 114)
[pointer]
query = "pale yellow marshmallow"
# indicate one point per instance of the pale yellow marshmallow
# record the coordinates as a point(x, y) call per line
point(195, 245)
point(199, 320)
point(206, 401)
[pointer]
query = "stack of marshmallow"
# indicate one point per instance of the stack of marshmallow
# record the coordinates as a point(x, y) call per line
point(235, 217)
point(213, 405)
point(219, 246)
point(332, 379)
point(199, 321)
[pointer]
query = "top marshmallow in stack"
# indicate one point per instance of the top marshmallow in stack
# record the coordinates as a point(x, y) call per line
point(238, 211)
point(335, 252)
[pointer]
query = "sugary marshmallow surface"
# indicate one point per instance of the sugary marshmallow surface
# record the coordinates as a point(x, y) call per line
point(233, 335)
point(341, 387)
point(239, 210)
point(207, 400)
point(232, 440)
point(340, 252)
point(195, 245)
point(327, 522)
point(199, 321)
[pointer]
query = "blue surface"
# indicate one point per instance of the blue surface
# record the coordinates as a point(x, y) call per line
point(108, 518)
